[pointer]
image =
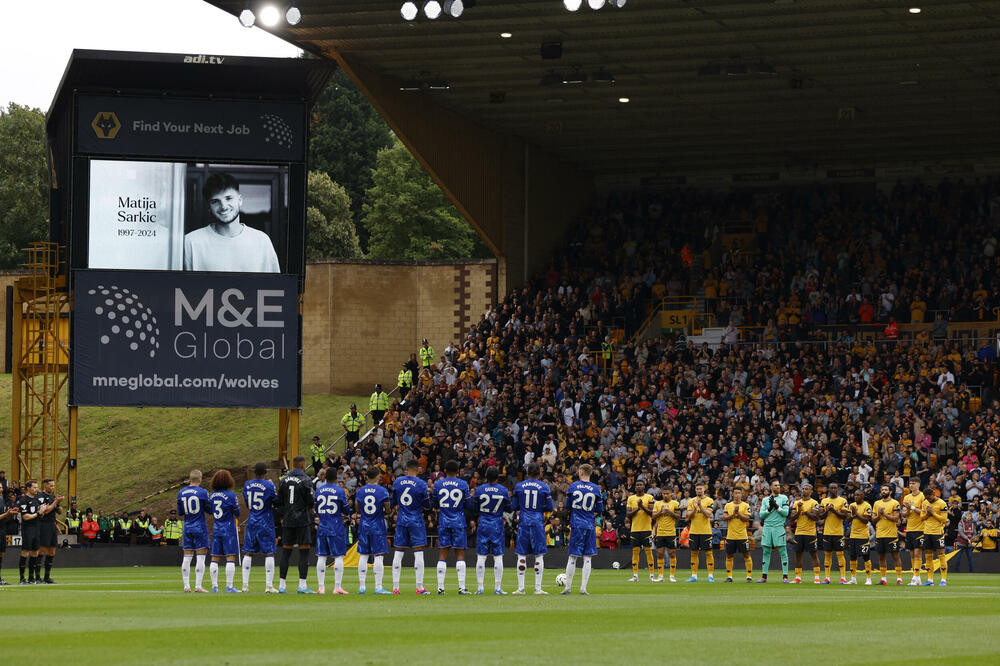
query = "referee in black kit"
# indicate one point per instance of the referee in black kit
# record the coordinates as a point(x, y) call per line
point(5, 513)
point(48, 535)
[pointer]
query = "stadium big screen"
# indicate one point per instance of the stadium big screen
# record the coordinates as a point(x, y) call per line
point(186, 250)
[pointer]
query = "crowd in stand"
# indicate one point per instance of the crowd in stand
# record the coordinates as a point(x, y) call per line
point(525, 384)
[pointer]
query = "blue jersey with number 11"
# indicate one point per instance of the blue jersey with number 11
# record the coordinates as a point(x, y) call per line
point(533, 499)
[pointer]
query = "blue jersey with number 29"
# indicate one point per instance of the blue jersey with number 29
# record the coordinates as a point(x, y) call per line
point(533, 499)
point(450, 497)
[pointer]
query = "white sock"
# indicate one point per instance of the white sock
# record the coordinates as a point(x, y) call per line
point(321, 572)
point(247, 562)
point(418, 567)
point(338, 573)
point(442, 570)
point(362, 570)
point(480, 571)
point(230, 573)
point(539, 571)
point(460, 568)
point(570, 571)
point(303, 583)
point(585, 574)
point(281, 584)
point(269, 571)
point(379, 571)
point(186, 571)
point(199, 570)
point(213, 573)
point(397, 568)
point(497, 571)
point(522, 565)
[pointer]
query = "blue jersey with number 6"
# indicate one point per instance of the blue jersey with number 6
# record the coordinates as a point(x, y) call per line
point(225, 509)
point(585, 502)
point(193, 504)
point(533, 499)
point(259, 496)
point(409, 494)
point(331, 505)
point(371, 502)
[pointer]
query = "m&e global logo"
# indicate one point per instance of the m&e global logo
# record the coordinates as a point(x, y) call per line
point(106, 125)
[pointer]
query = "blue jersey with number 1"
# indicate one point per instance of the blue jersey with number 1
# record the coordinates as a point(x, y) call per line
point(225, 509)
point(259, 496)
point(192, 505)
point(533, 499)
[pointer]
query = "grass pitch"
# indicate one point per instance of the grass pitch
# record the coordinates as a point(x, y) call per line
point(139, 615)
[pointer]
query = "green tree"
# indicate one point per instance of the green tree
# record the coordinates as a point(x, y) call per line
point(24, 182)
point(408, 216)
point(330, 231)
point(346, 135)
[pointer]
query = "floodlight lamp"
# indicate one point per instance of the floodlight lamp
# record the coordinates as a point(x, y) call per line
point(269, 16)
point(432, 9)
point(617, 4)
point(293, 14)
point(247, 18)
point(409, 10)
point(596, 4)
point(454, 8)
point(572, 5)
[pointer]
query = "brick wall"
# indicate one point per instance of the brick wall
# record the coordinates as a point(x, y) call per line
point(362, 320)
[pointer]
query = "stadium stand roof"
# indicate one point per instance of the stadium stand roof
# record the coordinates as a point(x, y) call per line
point(856, 82)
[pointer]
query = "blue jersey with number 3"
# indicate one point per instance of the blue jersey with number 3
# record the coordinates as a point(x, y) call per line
point(409, 494)
point(585, 502)
point(533, 499)
point(259, 496)
point(225, 509)
point(331, 505)
point(193, 504)
point(371, 502)
point(450, 497)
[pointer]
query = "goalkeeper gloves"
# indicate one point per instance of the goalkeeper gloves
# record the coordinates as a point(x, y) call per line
point(770, 504)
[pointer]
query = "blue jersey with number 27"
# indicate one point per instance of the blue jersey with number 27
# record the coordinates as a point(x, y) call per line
point(533, 499)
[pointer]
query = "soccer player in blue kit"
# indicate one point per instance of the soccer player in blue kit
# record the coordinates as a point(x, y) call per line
point(371, 503)
point(331, 536)
point(259, 496)
point(451, 496)
point(585, 502)
point(225, 538)
point(409, 496)
point(192, 505)
point(532, 499)
point(493, 500)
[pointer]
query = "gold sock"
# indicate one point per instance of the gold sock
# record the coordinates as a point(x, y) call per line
point(899, 571)
point(882, 570)
point(710, 562)
point(854, 569)
point(828, 557)
point(868, 568)
point(798, 572)
point(944, 569)
point(748, 562)
point(930, 565)
point(673, 565)
point(661, 569)
point(650, 562)
point(729, 566)
point(815, 570)
point(635, 560)
point(842, 561)
point(695, 557)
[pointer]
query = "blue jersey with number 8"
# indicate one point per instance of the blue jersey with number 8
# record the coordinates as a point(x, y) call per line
point(371, 502)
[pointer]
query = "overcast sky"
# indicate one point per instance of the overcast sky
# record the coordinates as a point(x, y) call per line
point(37, 36)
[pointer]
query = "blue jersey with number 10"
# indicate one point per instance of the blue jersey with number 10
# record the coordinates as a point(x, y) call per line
point(585, 502)
point(533, 499)
point(193, 504)
point(225, 509)
point(409, 494)
point(331, 505)
point(259, 496)
point(450, 497)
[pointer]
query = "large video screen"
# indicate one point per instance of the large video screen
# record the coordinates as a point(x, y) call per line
point(188, 216)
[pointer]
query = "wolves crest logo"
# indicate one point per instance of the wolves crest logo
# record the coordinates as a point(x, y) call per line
point(106, 125)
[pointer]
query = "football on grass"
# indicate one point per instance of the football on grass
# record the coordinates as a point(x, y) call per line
point(561, 580)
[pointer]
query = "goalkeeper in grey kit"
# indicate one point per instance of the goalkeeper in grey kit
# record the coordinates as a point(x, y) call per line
point(773, 512)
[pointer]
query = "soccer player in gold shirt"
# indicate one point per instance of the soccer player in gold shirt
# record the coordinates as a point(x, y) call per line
point(666, 513)
point(911, 508)
point(935, 515)
point(737, 514)
point(639, 510)
point(861, 515)
point(833, 509)
point(699, 516)
point(885, 515)
point(805, 513)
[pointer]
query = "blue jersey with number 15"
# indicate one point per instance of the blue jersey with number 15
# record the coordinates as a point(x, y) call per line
point(193, 505)
point(259, 495)
point(533, 499)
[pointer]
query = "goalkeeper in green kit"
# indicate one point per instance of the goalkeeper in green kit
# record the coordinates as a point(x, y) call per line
point(773, 512)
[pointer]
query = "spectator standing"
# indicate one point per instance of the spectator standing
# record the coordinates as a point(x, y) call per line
point(963, 540)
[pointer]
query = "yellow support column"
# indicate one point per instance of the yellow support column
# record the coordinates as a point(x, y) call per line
point(17, 334)
point(293, 434)
point(283, 435)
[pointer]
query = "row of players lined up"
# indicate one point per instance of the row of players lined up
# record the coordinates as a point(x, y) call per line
point(295, 500)
point(655, 522)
